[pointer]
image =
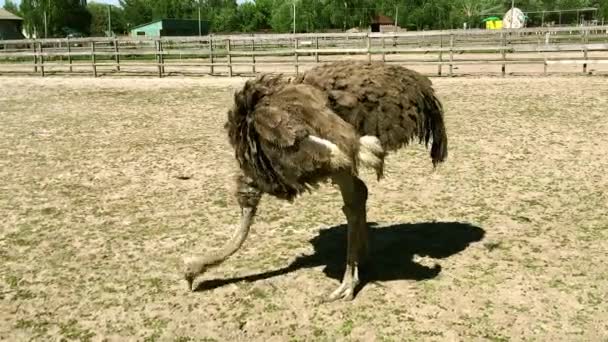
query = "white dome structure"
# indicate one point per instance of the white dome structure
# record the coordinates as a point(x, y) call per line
point(514, 20)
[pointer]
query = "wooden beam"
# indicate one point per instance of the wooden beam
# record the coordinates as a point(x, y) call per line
point(229, 56)
point(41, 60)
point(295, 55)
point(35, 54)
point(93, 59)
point(116, 54)
point(211, 56)
point(253, 56)
point(503, 52)
point(451, 55)
point(69, 53)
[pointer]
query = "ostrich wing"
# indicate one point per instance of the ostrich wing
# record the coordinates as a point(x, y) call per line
point(393, 103)
point(298, 140)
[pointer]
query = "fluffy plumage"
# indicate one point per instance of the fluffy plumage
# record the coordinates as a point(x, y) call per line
point(290, 134)
point(391, 102)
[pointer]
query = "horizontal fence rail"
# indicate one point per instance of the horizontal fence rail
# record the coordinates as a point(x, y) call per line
point(288, 53)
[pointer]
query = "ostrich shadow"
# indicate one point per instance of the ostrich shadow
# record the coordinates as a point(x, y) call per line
point(392, 249)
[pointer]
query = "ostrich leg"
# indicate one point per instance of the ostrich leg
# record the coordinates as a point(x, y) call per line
point(354, 195)
point(248, 197)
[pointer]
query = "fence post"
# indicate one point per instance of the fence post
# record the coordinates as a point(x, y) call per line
point(69, 52)
point(253, 55)
point(211, 55)
point(451, 54)
point(585, 52)
point(369, 48)
point(383, 48)
point(317, 49)
point(229, 57)
point(159, 57)
point(41, 60)
point(116, 55)
point(503, 52)
point(93, 59)
point(295, 55)
point(58, 49)
point(439, 67)
point(35, 56)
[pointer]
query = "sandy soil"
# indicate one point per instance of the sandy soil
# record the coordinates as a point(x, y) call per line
point(105, 184)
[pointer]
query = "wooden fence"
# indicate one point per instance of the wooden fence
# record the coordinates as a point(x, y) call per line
point(287, 53)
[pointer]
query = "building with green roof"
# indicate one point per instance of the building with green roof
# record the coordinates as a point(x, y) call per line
point(171, 27)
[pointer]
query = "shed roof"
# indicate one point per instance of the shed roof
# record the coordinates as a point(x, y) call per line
point(169, 21)
point(146, 24)
point(6, 15)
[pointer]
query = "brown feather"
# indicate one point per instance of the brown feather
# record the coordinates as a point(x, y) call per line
point(286, 133)
point(268, 127)
point(393, 103)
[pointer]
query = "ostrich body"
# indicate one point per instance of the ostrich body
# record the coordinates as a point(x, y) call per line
point(291, 134)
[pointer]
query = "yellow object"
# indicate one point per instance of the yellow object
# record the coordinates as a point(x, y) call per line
point(494, 24)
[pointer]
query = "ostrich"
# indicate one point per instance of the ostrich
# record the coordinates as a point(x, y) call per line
point(291, 134)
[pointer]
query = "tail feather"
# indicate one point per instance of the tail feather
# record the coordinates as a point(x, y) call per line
point(436, 128)
point(371, 154)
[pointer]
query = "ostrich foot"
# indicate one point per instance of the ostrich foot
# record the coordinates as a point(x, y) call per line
point(346, 290)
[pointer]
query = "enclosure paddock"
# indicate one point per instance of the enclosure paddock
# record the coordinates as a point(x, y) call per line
point(106, 183)
point(555, 50)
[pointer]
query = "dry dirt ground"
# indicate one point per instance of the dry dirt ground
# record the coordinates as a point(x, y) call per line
point(105, 184)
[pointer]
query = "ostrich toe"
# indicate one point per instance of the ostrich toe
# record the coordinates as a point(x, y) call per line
point(346, 290)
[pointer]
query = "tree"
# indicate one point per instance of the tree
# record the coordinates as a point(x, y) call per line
point(282, 17)
point(136, 12)
point(250, 18)
point(99, 20)
point(603, 9)
point(12, 7)
point(226, 20)
point(55, 18)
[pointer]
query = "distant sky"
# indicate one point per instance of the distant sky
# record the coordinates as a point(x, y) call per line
point(113, 2)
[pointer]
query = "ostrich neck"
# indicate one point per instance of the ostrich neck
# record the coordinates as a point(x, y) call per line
point(235, 242)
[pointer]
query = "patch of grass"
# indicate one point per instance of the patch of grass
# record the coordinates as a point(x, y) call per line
point(258, 293)
point(157, 325)
point(12, 281)
point(347, 327)
point(73, 331)
point(490, 246)
point(23, 294)
point(220, 202)
point(155, 284)
point(38, 327)
point(19, 239)
point(496, 338)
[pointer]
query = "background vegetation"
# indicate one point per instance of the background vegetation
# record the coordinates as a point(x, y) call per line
point(65, 16)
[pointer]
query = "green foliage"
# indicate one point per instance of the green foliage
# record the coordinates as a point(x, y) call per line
point(61, 17)
point(99, 19)
point(12, 7)
point(277, 15)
